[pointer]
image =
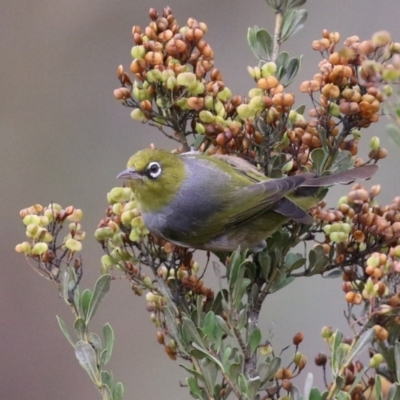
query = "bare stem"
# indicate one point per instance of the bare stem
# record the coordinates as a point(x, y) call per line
point(277, 34)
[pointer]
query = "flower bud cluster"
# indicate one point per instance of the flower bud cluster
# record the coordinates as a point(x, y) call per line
point(43, 225)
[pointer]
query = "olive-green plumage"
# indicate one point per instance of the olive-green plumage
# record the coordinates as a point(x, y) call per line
point(218, 203)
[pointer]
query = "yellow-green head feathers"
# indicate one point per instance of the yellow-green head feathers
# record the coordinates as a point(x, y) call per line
point(155, 177)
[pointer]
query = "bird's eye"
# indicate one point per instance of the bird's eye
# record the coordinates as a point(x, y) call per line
point(154, 170)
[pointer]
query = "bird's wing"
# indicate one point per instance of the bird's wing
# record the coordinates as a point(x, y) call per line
point(255, 199)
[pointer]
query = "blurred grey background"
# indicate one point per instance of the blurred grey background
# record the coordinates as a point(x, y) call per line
point(64, 139)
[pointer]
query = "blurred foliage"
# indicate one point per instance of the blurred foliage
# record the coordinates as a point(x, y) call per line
point(174, 86)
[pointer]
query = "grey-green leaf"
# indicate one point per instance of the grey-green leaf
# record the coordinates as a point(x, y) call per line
point(118, 391)
point(265, 41)
point(80, 327)
point(64, 330)
point(397, 359)
point(254, 340)
point(87, 359)
point(86, 296)
point(101, 288)
point(363, 341)
point(108, 334)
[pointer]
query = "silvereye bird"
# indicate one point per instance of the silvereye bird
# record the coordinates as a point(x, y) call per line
point(218, 203)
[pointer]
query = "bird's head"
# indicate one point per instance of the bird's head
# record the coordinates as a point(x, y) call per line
point(155, 177)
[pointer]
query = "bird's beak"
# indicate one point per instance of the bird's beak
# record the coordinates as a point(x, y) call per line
point(129, 173)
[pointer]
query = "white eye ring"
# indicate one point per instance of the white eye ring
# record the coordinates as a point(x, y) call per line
point(154, 170)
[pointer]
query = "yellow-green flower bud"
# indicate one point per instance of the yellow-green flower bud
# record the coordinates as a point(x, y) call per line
point(356, 134)
point(23, 247)
point(186, 78)
point(375, 143)
point(127, 216)
point(171, 82)
point(137, 222)
point(326, 332)
point(148, 282)
point(116, 208)
point(338, 237)
point(138, 115)
point(167, 73)
point(333, 109)
point(219, 108)
point(154, 75)
point(257, 73)
point(206, 117)
point(196, 88)
point(73, 245)
point(387, 90)
point(255, 92)
point(257, 104)
point(39, 248)
point(46, 237)
point(31, 219)
point(182, 103)
point(138, 52)
point(103, 233)
point(200, 129)
point(32, 231)
point(209, 102)
point(225, 94)
point(244, 111)
point(327, 229)
point(268, 69)
point(376, 360)
point(107, 261)
point(134, 235)
point(343, 200)
point(373, 261)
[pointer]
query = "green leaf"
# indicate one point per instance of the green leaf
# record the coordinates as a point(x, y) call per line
point(80, 328)
point(363, 341)
point(234, 268)
point(300, 110)
point(253, 387)
point(267, 371)
point(294, 393)
point(334, 360)
point(95, 341)
point(118, 391)
point(65, 285)
point(198, 141)
point(194, 387)
point(397, 359)
point(394, 133)
point(265, 263)
point(294, 261)
point(101, 288)
point(265, 42)
point(239, 291)
point(252, 41)
point(243, 387)
point(358, 379)
point(64, 330)
point(191, 329)
point(343, 161)
point(394, 392)
point(292, 70)
point(108, 334)
point(293, 21)
point(319, 157)
point(86, 296)
point(295, 3)
point(378, 387)
point(315, 394)
point(209, 325)
point(284, 281)
point(106, 378)
point(254, 340)
point(223, 325)
point(336, 273)
point(87, 359)
point(209, 356)
point(209, 372)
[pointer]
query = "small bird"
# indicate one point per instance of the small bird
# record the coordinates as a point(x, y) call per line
point(217, 203)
